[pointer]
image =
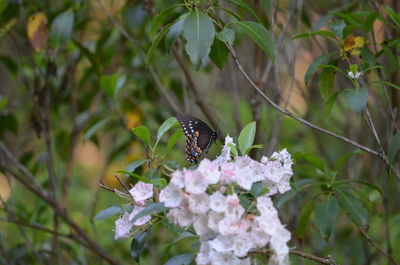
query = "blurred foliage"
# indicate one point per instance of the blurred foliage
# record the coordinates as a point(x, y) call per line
point(78, 76)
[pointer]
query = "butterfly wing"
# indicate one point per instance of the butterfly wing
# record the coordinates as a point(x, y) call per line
point(199, 136)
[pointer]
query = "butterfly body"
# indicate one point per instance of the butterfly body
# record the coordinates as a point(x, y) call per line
point(199, 136)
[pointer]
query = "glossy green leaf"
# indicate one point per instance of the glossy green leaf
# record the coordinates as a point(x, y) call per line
point(109, 212)
point(166, 126)
point(305, 215)
point(247, 7)
point(246, 137)
point(162, 17)
point(317, 161)
point(137, 245)
point(233, 149)
point(135, 164)
point(153, 208)
point(182, 236)
point(133, 175)
point(95, 128)
point(351, 203)
point(198, 30)
point(182, 259)
point(394, 147)
point(160, 35)
point(326, 82)
point(357, 99)
point(262, 37)
point(227, 35)
point(219, 53)
point(323, 59)
point(174, 139)
point(297, 187)
point(326, 213)
point(61, 28)
point(175, 31)
point(142, 133)
point(386, 83)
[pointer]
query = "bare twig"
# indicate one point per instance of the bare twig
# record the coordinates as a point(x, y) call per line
point(381, 250)
point(198, 99)
point(305, 122)
point(328, 260)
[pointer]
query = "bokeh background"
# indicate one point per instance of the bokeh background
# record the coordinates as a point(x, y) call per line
point(74, 83)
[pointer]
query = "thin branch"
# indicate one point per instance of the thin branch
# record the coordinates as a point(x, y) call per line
point(328, 260)
point(381, 250)
point(198, 99)
point(305, 122)
point(91, 244)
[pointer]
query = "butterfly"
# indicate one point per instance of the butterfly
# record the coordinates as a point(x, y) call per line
point(199, 136)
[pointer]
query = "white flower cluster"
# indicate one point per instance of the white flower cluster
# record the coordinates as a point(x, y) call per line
point(207, 198)
point(140, 193)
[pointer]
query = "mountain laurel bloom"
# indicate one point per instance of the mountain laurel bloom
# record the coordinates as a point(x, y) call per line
point(210, 199)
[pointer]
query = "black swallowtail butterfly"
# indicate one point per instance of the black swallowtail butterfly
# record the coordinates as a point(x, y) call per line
point(199, 136)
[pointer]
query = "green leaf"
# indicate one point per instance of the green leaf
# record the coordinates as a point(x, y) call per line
point(393, 16)
point(248, 8)
point(109, 212)
point(198, 30)
point(323, 59)
point(258, 189)
point(174, 139)
point(369, 21)
point(95, 128)
point(322, 33)
point(357, 99)
point(317, 161)
point(392, 60)
point(109, 84)
point(175, 31)
point(246, 137)
point(182, 236)
point(3, 5)
point(133, 175)
point(161, 18)
point(61, 28)
point(344, 158)
point(326, 213)
point(386, 83)
point(159, 182)
point(156, 41)
point(167, 125)
point(330, 102)
point(337, 27)
point(351, 203)
point(182, 259)
point(297, 187)
point(227, 35)
point(233, 149)
point(153, 208)
point(364, 183)
point(262, 37)
point(135, 164)
point(219, 53)
point(393, 148)
point(305, 218)
point(327, 79)
point(142, 133)
point(255, 146)
point(137, 245)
